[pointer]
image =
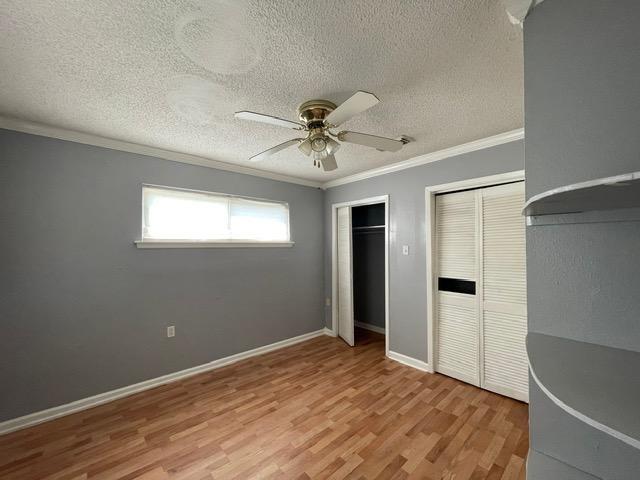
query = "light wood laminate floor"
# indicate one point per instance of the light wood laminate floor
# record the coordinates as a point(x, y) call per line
point(316, 410)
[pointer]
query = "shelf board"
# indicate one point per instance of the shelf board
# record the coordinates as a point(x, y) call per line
point(598, 385)
point(369, 227)
point(609, 193)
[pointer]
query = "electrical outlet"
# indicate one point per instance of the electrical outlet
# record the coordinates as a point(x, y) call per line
point(171, 331)
point(405, 249)
point(327, 301)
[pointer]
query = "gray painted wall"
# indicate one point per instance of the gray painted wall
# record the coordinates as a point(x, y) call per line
point(582, 112)
point(582, 94)
point(83, 311)
point(407, 276)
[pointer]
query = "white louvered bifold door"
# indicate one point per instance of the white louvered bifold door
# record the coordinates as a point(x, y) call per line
point(457, 324)
point(345, 276)
point(503, 292)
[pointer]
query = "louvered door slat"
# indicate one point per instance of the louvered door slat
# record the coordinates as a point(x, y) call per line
point(457, 351)
point(345, 276)
point(456, 235)
point(504, 321)
point(458, 339)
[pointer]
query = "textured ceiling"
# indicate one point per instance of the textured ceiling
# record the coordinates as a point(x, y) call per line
point(170, 74)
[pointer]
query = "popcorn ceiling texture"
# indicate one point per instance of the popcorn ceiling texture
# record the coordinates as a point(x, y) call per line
point(170, 74)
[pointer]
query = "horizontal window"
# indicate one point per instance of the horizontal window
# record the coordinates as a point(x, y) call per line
point(175, 215)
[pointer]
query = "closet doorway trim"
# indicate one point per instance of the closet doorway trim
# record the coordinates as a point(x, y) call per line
point(430, 221)
point(334, 261)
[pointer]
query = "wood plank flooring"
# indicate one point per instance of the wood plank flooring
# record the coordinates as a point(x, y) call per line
point(316, 410)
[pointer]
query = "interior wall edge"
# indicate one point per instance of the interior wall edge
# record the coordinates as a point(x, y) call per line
point(410, 361)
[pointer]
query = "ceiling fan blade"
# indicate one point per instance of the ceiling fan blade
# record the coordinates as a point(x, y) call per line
point(329, 163)
point(357, 103)
point(276, 149)
point(381, 143)
point(261, 117)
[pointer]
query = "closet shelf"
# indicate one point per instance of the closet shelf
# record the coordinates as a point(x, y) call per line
point(372, 227)
point(598, 385)
point(609, 193)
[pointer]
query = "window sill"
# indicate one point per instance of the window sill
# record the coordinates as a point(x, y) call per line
point(225, 244)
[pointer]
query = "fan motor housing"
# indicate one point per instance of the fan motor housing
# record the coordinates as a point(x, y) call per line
point(313, 112)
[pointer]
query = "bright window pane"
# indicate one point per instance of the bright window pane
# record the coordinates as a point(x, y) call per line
point(258, 220)
point(173, 214)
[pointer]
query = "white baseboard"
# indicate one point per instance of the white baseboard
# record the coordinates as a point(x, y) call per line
point(90, 402)
point(411, 362)
point(373, 328)
point(329, 332)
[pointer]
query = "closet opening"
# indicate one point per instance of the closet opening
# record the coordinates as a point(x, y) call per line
point(360, 272)
point(368, 233)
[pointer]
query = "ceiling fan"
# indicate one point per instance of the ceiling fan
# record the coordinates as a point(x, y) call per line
point(318, 118)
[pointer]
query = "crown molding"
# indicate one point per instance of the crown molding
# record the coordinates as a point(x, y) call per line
point(473, 146)
point(518, 10)
point(44, 130)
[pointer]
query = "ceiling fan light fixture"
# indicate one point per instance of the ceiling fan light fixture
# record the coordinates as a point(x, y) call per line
point(320, 155)
point(329, 163)
point(305, 147)
point(319, 144)
point(332, 146)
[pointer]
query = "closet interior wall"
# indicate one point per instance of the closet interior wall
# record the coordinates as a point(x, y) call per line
point(368, 222)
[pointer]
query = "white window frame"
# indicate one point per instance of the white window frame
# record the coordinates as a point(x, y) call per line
point(227, 243)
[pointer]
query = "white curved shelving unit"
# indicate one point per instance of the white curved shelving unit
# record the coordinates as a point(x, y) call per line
point(609, 193)
point(598, 385)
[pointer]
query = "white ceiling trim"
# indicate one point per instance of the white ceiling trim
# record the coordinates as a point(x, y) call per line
point(113, 144)
point(517, 10)
point(480, 144)
point(98, 141)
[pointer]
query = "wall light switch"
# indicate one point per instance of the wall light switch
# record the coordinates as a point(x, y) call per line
point(327, 301)
point(171, 331)
point(405, 249)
